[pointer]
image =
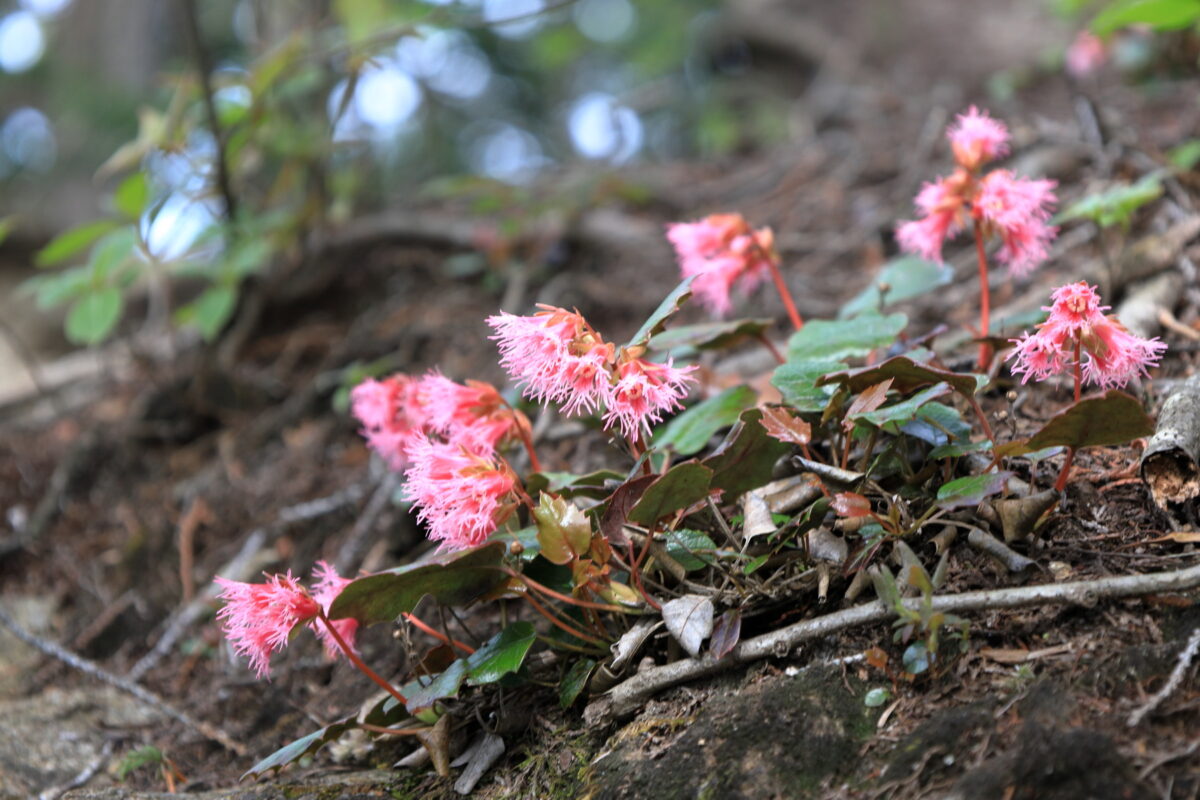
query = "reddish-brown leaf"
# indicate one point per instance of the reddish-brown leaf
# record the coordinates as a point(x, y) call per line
point(785, 426)
point(867, 401)
point(850, 505)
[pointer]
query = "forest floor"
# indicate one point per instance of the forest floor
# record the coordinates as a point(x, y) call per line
point(124, 497)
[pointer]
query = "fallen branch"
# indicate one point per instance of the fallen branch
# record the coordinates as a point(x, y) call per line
point(1186, 657)
point(94, 670)
point(1169, 464)
point(627, 697)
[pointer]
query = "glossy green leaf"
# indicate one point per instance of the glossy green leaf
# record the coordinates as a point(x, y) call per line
point(666, 309)
point(876, 697)
point(917, 658)
point(682, 485)
point(93, 316)
point(746, 458)
point(906, 375)
point(502, 654)
point(710, 335)
point(798, 381)
point(938, 425)
point(899, 413)
point(303, 746)
point(905, 277)
point(833, 340)
point(131, 196)
point(451, 578)
point(753, 564)
point(73, 241)
point(423, 692)
point(692, 549)
point(564, 533)
point(971, 490)
point(688, 433)
point(575, 681)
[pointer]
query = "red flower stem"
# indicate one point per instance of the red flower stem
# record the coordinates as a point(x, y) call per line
point(1061, 483)
point(983, 422)
point(762, 337)
point(985, 349)
point(546, 590)
point(785, 295)
point(635, 572)
point(358, 662)
point(558, 623)
point(441, 637)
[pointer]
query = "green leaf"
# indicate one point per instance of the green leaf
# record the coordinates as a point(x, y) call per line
point(753, 564)
point(906, 376)
point(502, 654)
point(1108, 419)
point(938, 424)
point(595, 485)
point(136, 759)
point(93, 316)
point(849, 338)
point(131, 196)
point(452, 579)
point(55, 288)
point(689, 432)
point(361, 19)
point(1185, 156)
point(1116, 205)
point(1161, 15)
point(960, 449)
point(304, 746)
point(710, 335)
point(664, 312)
point(564, 532)
point(209, 312)
point(423, 692)
point(6, 226)
point(917, 658)
point(905, 410)
point(746, 458)
point(682, 485)
point(575, 681)
point(73, 241)
point(876, 697)
point(113, 251)
point(797, 381)
point(692, 549)
point(970, 491)
point(905, 277)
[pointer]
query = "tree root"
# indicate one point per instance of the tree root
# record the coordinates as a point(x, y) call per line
point(626, 697)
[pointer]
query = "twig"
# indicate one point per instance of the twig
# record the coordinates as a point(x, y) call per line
point(626, 697)
point(94, 670)
point(191, 26)
point(1186, 656)
point(82, 777)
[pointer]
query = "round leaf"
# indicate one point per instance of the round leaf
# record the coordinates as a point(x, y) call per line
point(93, 316)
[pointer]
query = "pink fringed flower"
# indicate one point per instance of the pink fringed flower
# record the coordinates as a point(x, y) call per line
point(472, 415)
point(976, 139)
point(1085, 55)
point(556, 355)
point(461, 496)
point(391, 413)
point(944, 214)
point(1109, 355)
point(329, 585)
point(258, 618)
point(723, 252)
point(644, 391)
point(1018, 211)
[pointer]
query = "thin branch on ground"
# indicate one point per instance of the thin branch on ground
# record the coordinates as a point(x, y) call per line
point(82, 777)
point(1186, 657)
point(94, 670)
point(627, 697)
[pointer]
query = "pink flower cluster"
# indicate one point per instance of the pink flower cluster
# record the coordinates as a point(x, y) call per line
point(445, 436)
point(560, 358)
point(1086, 54)
point(400, 409)
point(723, 252)
point(1015, 209)
point(258, 618)
point(1109, 355)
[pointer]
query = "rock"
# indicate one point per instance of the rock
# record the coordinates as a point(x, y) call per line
point(361, 785)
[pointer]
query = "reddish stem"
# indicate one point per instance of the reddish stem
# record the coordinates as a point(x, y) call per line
point(985, 349)
point(1061, 483)
point(546, 590)
point(785, 295)
point(762, 337)
point(635, 571)
point(526, 439)
point(558, 623)
point(441, 637)
point(358, 662)
point(393, 731)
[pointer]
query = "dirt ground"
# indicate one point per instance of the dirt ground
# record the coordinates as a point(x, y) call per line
point(160, 473)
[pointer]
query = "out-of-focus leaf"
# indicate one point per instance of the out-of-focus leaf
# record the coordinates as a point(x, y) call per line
point(1115, 206)
point(452, 578)
point(73, 241)
point(833, 340)
point(682, 485)
point(800, 383)
point(969, 492)
point(664, 312)
point(689, 432)
point(876, 697)
point(209, 312)
point(93, 316)
point(690, 620)
point(1161, 15)
point(710, 335)
point(727, 632)
point(745, 459)
point(917, 658)
point(1185, 156)
point(131, 196)
point(110, 253)
point(905, 278)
